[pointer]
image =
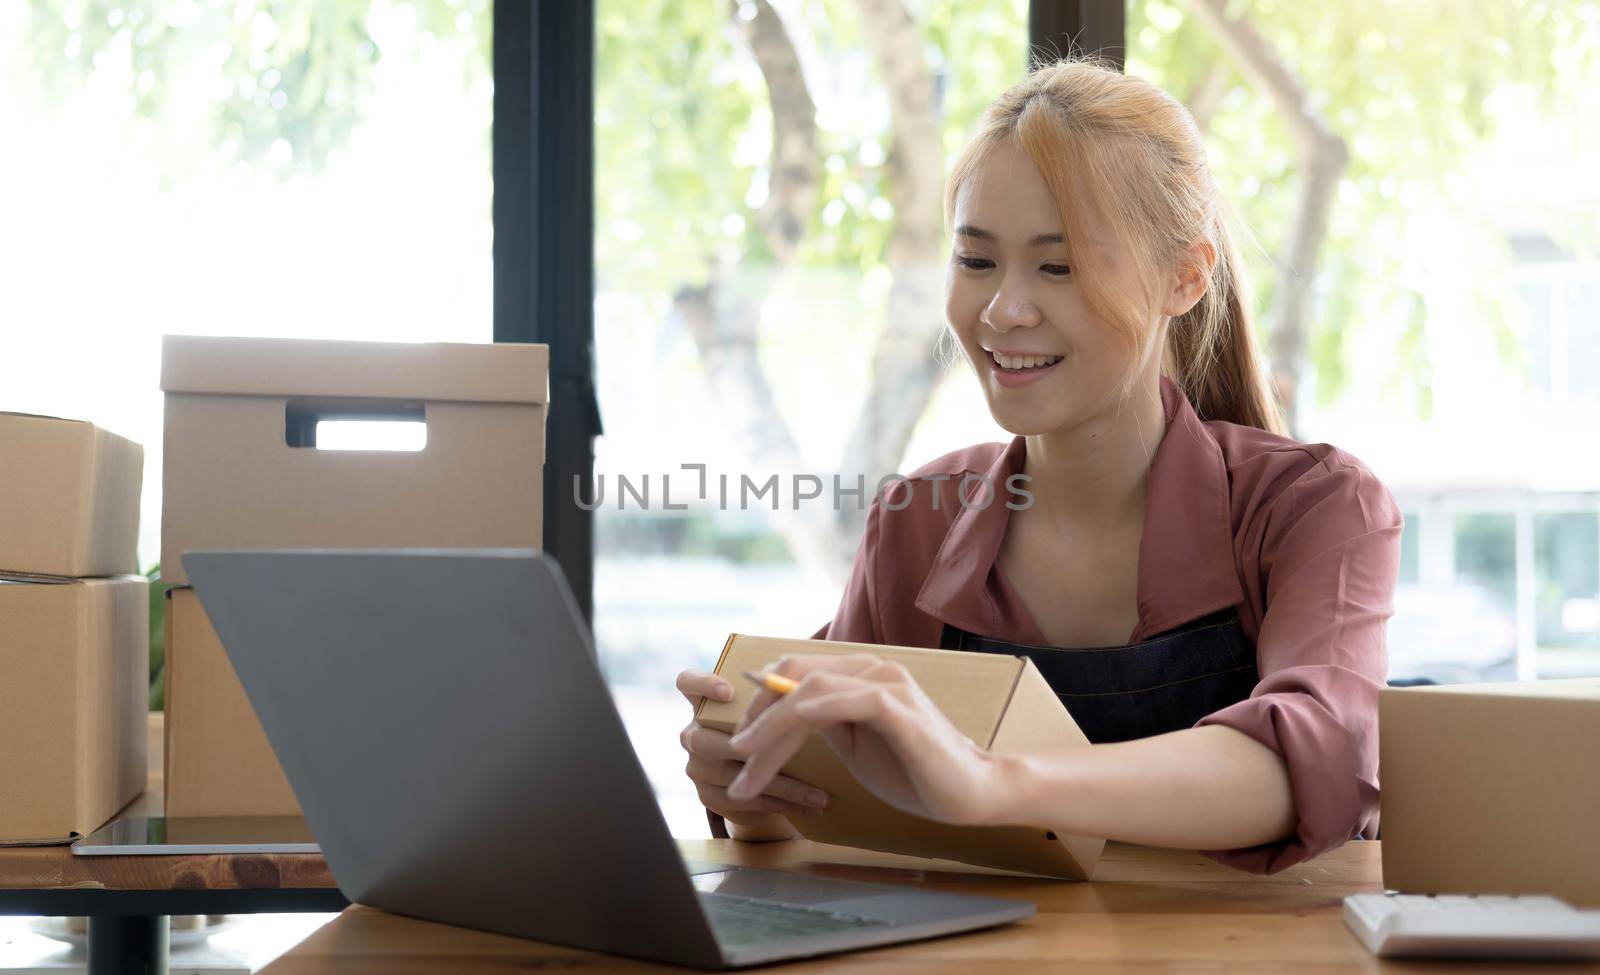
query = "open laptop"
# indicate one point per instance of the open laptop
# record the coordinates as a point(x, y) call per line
point(445, 726)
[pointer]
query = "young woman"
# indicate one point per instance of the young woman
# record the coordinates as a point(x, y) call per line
point(1207, 596)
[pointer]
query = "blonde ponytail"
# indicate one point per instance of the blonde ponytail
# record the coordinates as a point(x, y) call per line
point(1211, 349)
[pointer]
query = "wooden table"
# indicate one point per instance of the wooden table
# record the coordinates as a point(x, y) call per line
point(1146, 910)
point(128, 899)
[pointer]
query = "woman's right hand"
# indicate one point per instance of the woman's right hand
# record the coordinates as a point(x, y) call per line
point(713, 765)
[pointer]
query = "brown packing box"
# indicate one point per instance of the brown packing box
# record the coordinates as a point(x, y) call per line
point(69, 498)
point(232, 479)
point(1492, 788)
point(75, 660)
point(218, 761)
point(998, 701)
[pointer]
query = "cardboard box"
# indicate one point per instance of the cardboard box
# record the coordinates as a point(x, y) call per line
point(218, 761)
point(69, 498)
point(1492, 789)
point(1000, 702)
point(241, 468)
point(75, 661)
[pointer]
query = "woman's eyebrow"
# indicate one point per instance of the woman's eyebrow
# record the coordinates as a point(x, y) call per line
point(978, 233)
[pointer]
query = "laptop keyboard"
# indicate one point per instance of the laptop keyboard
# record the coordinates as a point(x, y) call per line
point(741, 921)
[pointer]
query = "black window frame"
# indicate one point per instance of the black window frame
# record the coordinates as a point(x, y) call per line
point(543, 159)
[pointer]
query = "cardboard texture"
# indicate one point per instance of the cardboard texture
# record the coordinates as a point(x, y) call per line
point(240, 470)
point(69, 498)
point(218, 761)
point(1492, 789)
point(75, 659)
point(998, 701)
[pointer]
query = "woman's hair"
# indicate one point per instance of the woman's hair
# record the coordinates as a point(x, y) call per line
point(1120, 152)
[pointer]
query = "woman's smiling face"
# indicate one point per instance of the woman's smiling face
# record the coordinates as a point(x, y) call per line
point(1045, 358)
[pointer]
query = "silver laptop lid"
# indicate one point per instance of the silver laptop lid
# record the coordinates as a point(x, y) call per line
point(442, 719)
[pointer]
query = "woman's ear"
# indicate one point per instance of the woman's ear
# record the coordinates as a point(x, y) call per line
point(1191, 280)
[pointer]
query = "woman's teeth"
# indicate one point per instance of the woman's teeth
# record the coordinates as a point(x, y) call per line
point(1024, 361)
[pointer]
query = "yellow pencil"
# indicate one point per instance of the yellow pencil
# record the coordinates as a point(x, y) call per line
point(776, 683)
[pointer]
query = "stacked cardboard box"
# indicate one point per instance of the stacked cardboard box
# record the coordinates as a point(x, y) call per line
point(74, 629)
point(243, 470)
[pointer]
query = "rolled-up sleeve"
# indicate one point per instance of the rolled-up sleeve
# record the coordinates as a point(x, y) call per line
point(1329, 559)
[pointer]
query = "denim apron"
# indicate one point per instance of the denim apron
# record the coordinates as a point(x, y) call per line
point(1165, 683)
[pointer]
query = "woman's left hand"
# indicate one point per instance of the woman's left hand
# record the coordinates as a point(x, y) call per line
point(890, 735)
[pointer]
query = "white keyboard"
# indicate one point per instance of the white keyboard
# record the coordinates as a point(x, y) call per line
point(1467, 926)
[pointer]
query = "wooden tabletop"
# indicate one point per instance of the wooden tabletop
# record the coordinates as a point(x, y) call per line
point(1146, 910)
point(56, 868)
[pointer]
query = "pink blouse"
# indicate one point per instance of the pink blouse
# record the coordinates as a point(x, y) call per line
point(1301, 538)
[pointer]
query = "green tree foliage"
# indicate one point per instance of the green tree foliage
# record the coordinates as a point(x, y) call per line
point(683, 124)
point(683, 131)
point(1409, 87)
point(280, 83)
point(663, 190)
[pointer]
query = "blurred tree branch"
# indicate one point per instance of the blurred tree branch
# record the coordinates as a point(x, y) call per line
point(1206, 96)
point(905, 367)
point(723, 314)
point(724, 318)
point(1323, 156)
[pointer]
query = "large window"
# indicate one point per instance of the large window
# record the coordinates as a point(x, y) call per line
point(770, 256)
point(1420, 230)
